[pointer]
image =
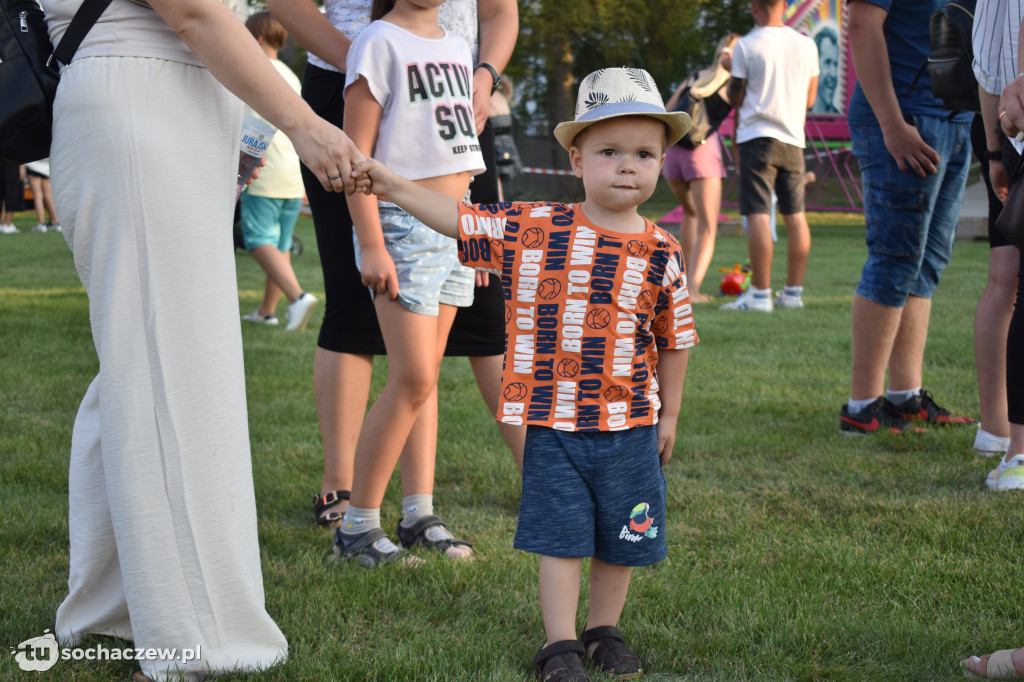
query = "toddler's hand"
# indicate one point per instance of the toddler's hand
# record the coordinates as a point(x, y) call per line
point(666, 437)
point(373, 177)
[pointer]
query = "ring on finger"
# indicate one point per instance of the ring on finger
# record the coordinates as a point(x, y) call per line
point(334, 177)
point(1001, 114)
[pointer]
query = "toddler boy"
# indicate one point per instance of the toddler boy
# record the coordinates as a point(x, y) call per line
point(598, 322)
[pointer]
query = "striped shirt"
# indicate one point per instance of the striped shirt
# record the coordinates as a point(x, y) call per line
point(996, 23)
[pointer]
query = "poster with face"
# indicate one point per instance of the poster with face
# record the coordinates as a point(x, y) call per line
point(825, 22)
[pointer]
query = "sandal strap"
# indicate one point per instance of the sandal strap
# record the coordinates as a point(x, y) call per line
point(610, 653)
point(361, 547)
point(415, 534)
point(565, 646)
point(600, 632)
point(321, 503)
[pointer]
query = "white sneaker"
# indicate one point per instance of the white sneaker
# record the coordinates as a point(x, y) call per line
point(255, 316)
point(40, 227)
point(1008, 475)
point(300, 310)
point(784, 300)
point(54, 227)
point(9, 228)
point(748, 301)
point(989, 445)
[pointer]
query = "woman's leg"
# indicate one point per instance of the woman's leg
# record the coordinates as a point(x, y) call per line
point(707, 199)
point(51, 210)
point(688, 227)
point(341, 385)
point(487, 370)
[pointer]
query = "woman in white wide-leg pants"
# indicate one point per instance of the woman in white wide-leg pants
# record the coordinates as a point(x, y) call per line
point(163, 518)
point(144, 163)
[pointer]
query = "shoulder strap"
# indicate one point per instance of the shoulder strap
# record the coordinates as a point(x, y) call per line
point(83, 20)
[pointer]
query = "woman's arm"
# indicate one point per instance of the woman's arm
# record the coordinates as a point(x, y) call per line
point(362, 123)
point(227, 49)
point(311, 29)
point(499, 27)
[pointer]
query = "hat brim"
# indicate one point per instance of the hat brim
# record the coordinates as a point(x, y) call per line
point(678, 122)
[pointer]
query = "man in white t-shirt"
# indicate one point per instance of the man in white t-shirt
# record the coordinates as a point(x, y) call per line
point(774, 82)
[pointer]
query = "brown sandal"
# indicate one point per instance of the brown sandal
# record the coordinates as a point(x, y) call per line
point(611, 654)
point(560, 662)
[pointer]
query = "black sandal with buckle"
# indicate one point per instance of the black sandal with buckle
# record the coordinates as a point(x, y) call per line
point(560, 662)
point(611, 654)
point(362, 549)
point(416, 534)
point(321, 503)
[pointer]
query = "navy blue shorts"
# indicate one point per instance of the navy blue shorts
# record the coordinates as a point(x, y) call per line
point(593, 494)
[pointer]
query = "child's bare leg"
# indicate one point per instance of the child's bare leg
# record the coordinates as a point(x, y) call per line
point(608, 586)
point(412, 377)
point(559, 595)
point(419, 455)
point(420, 451)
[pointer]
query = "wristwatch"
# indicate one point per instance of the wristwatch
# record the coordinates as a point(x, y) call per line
point(996, 155)
point(494, 75)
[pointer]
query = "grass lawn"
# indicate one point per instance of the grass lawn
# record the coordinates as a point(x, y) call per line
point(794, 553)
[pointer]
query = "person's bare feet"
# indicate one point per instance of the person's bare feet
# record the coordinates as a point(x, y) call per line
point(697, 297)
point(977, 666)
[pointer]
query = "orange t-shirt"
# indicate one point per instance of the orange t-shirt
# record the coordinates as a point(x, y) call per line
point(586, 311)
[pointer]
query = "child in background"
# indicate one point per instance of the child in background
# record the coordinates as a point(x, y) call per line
point(599, 322)
point(270, 205)
point(42, 196)
point(408, 100)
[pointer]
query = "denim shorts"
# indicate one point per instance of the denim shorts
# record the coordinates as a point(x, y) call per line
point(911, 221)
point(266, 220)
point(429, 272)
point(767, 164)
point(593, 494)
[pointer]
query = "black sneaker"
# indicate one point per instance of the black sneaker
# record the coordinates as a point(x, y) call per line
point(922, 408)
point(878, 416)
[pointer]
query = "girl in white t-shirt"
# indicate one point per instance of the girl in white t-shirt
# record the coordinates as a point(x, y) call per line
point(408, 102)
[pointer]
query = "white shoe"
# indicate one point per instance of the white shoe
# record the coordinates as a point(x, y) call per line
point(748, 301)
point(300, 310)
point(989, 445)
point(54, 227)
point(40, 227)
point(784, 300)
point(1008, 475)
point(255, 316)
point(9, 228)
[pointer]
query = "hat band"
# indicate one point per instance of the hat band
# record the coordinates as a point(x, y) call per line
point(620, 109)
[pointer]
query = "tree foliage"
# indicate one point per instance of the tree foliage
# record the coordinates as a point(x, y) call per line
point(560, 41)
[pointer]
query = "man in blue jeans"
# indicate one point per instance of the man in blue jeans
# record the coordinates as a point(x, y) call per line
point(914, 156)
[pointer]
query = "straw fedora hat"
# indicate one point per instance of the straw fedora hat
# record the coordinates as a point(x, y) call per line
point(608, 93)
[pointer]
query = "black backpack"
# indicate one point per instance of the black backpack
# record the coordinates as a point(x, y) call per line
point(949, 66)
point(29, 74)
point(706, 115)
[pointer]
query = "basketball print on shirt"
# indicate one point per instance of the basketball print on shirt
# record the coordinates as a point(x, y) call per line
point(586, 312)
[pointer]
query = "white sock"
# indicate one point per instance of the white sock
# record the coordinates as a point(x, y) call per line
point(898, 397)
point(357, 520)
point(796, 291)
point(416, 506)
point(855, 406)
point(760, 293)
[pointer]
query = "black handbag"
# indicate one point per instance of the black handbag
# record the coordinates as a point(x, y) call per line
point(1011, 219)
point(30, 72)
point(706, 115)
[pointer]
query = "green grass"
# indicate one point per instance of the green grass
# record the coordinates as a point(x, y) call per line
point(794, 553)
